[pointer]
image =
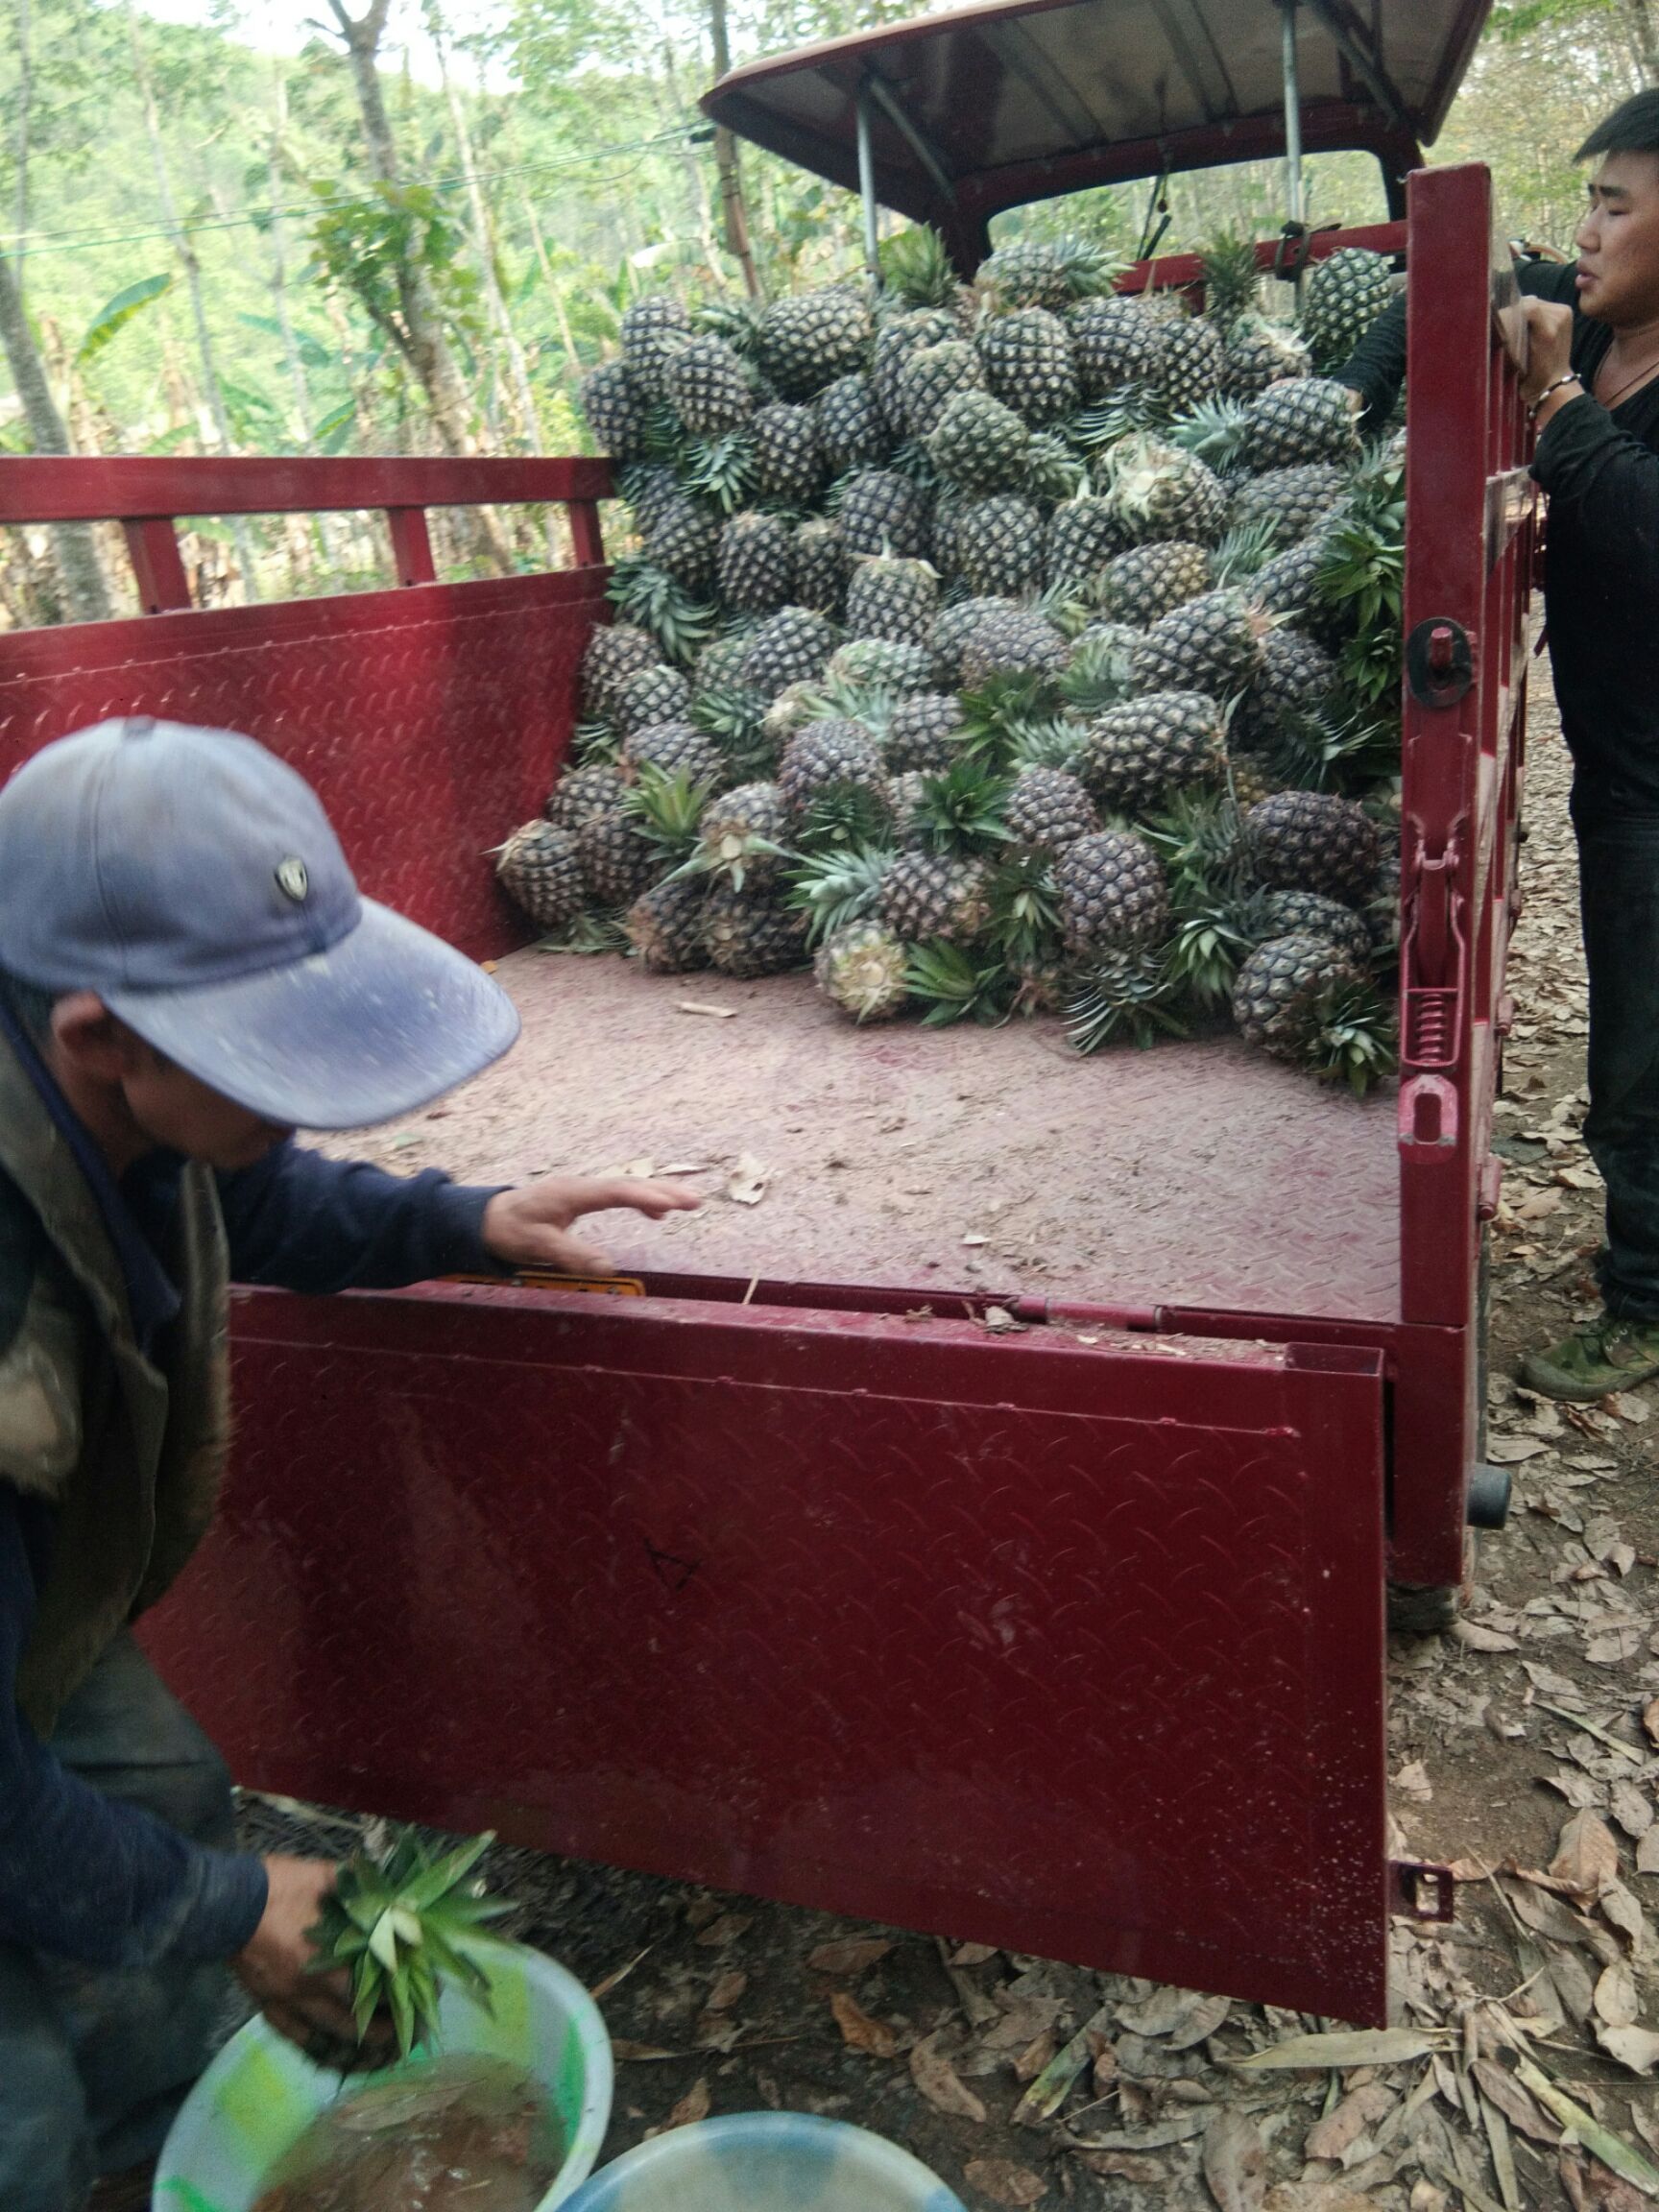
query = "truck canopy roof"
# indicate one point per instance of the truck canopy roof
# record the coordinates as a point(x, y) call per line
point(983, 108)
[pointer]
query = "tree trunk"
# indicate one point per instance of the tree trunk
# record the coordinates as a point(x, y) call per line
point(566, 336)
point(732, 206)
point(1642, 36)
point(323, 525)
point(183, 246)
point(430, 354)
point(84, 591)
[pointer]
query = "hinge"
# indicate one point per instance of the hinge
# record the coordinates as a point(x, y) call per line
point(1420, 1890)
point(1431, 961)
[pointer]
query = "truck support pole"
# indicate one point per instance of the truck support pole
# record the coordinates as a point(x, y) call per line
point(1295, 200)
point(867, 186)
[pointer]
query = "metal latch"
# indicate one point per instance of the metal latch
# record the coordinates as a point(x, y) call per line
point(1439, 661)
point(1421, 1891)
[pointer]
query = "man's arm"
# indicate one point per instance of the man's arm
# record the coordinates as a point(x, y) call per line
point(82, 1875)
point(1376, 368)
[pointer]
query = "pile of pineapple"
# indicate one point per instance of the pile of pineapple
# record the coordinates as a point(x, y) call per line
point(1020, 647)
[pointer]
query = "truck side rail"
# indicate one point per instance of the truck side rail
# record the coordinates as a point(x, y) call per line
point(446, 705)
point(146, 495)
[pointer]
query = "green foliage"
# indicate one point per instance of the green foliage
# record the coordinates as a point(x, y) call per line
point(113, 317)
point(362, 243)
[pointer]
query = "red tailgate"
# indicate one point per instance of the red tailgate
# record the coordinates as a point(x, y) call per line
point(1072, 1647)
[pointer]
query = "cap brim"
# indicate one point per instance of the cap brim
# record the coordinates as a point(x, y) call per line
point(384, 1021)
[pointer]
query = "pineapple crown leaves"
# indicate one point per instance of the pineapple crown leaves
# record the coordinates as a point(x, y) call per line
point(647, 595)
point(1054, 468)
point(913, 460)
point(1231, 281)
point(667, 807)
point(1200, 839)
point(1026, 923)
point(1319, 749)
point(917, 268)
point(1245, 549)
point(1355, 1035)
point(1084, 266)
point(595, 744)
point(960, 812)
point(839, 886)
point(955, 984)
point(720, 469)
point(588, 934)
point(737, 320)
point(1004, 706)
point(1363, 564)
point(844, 820)
point(1131, 410)
point(1216, 430)
point(401, 1926)
point(1212, 938)
point(1131, 997)
point(1045, 741)
point(1099, 678)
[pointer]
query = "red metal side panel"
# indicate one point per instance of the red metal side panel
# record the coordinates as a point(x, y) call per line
point(1072, 1649)
point(429, 719)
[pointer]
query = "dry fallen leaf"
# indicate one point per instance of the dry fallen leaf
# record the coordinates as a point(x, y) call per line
point(1518, 2107)
point(747, 1181)
point(1476, 1638)
point(1637, 2048)
point(848, 1954)
point(972, 1954)
point(691, 2107)
point(1343, 2126)
point(725, 1929)
point(1235, 2162)
point(858, 2030)
point(1650, 1719)
point(1631, 1810)
point(1003, 2181)
point(1617, 2004)
point(1647, 1853)
point(627, 2054)
point(727, 1990)
point(1345, 2046)
point(1628, 1406)
point(1510, 1450)
point(1413, 1784)
point(939, 2082)
point(1586, 1857)
point(715, 1012)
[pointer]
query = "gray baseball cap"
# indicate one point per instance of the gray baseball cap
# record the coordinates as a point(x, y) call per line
point(193, 882)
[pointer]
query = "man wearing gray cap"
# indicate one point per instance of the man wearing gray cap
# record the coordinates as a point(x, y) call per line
point(187, 975)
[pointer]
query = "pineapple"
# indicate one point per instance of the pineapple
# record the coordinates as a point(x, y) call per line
point(675, 748)
point(809, 339)
point(1292, 501)
point(582, 792)
point(756, 566)
point(876, 665)
point(1302, 419)
point(1042, 273)
point(924, 733)
point(898, 600)
point(1187, 367)
point(1114, 342)
point(1307, 914)
point(651, 695)
point(951, 631)
point(1136, 752)
point(999, 545)
point(615, 411)
point(898, 339)
point(839, 884)
point(1232, 281)
point(704, 383)
point(1142, 585)
point(1084, 534)
point(1011, 641)
point(934, 896)
point(851, 431)
point(1345, 293)
point(977, 445)
point(861, 968)
point(1214, 643)
point(539, 868)
point(788, 453)
point(880, 512)
point(916, 268)
point(739, 837)
point(1287, 584)
point(620, 861)
point(611, 656)
point(746, 934)
point(683, 542)
point(1313, 841)
point(1280, 997)
point(1113, 895)
point(719, 666)
point(830, 755)
point(1296, 677)
point(1259, 353)
point(822, 566)
point(666, 928)
point(790, 647)
point(931, 378)
point(653, 332)
point(1160, 492)
point(1054, 468)
point(1029, 366)
point(1048, 809)
point(648, 487)
point(403, 1924)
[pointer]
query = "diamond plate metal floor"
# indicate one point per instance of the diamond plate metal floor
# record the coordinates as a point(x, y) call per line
point(1197, 1173)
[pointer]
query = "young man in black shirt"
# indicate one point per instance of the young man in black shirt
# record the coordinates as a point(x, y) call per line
point(1594, 386)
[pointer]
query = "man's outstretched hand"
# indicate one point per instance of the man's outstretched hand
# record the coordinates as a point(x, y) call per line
point(530, 1227)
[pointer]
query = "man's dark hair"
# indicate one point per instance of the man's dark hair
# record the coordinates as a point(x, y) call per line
point(28, 1005)
point(1632, 128)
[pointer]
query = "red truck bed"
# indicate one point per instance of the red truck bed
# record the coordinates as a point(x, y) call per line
point(1197, 1173)
point(799, 1572)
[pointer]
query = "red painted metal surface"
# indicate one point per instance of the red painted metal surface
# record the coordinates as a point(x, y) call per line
point(1073, 1651)
point(429, 719)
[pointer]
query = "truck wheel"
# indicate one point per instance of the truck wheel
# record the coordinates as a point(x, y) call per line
point(1427, 1608)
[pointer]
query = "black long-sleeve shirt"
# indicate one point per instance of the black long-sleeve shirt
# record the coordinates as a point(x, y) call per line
point(1600, 468)
point(83, 1875)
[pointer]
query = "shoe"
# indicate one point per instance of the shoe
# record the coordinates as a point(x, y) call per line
point(1607, 1355)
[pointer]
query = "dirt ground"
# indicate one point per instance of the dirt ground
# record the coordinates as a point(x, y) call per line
point(1517, 1742)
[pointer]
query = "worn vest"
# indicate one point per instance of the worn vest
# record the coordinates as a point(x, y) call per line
point(128, 1453)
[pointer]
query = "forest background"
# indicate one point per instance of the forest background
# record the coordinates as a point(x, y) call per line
point(415, 228)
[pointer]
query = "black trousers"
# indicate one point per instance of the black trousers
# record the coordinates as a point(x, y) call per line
point(1619, 904)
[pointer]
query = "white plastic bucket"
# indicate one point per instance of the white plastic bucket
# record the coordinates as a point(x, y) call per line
point(261, 2093)
point(767, 2162)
